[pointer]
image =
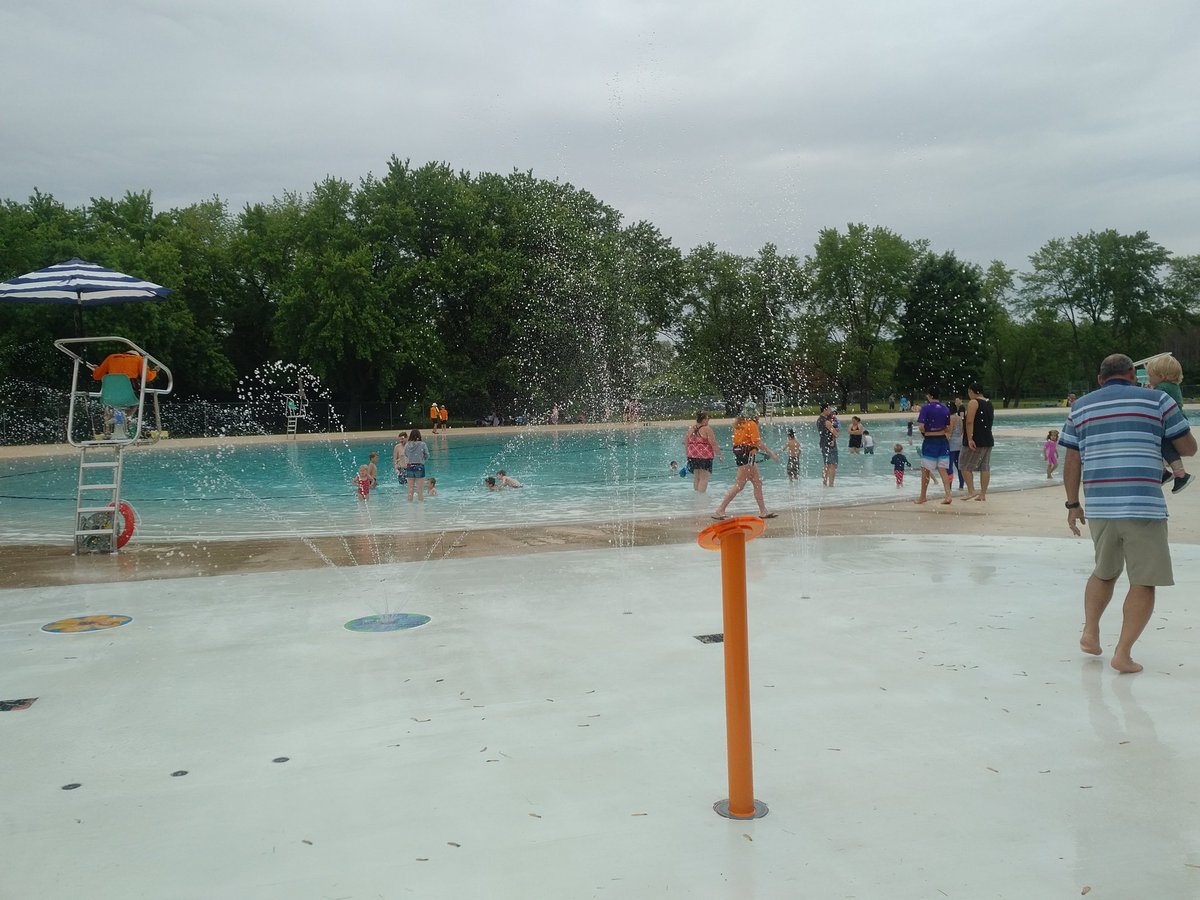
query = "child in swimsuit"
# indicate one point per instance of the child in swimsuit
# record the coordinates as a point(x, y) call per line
point(793, 452)
point(363, 482)
point(1050, 452)
point(899, 464)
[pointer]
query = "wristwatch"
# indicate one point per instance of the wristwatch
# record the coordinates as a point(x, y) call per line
point(1074, 505)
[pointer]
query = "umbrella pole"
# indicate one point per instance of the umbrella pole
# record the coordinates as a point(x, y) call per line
point(79, 315)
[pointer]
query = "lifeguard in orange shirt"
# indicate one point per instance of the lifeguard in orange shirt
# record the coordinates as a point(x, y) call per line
point(128, 364)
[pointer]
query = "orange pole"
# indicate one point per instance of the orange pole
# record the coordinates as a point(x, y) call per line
point(730, 538)
point(737, 676)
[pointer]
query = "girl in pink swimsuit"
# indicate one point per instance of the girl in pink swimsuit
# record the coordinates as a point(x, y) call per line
point(1050, 452)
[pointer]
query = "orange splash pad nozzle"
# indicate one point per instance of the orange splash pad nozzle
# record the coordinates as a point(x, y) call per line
point(730, 537)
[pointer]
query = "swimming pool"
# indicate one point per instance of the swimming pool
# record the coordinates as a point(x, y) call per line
point(236, 491)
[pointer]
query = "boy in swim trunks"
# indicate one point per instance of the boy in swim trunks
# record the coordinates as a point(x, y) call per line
point(398, 461)
point(934, 422)
point(793, 452)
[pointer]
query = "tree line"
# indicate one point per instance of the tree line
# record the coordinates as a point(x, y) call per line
point(513, 293)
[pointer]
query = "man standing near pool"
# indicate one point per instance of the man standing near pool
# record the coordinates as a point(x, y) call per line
point(1113, 440)
point(976, 453)
point(827, 435)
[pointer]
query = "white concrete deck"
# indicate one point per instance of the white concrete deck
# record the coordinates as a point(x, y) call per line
point(924, 727)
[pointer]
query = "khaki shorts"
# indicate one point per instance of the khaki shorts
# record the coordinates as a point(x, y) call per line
point(1137, 544)
point(977, 460)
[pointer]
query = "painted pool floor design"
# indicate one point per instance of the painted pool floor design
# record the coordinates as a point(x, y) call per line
point(924, 726)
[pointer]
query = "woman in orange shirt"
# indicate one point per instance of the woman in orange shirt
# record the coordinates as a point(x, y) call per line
point(747, 442)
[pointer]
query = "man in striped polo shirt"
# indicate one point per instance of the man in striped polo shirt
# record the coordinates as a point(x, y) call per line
point(1113, 441)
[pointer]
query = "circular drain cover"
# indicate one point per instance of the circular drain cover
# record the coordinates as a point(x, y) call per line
point(387, 622)
point(86, 623)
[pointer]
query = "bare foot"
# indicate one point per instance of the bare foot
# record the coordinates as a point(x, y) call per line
point(1090, 643)
point(1125, 666)
point(969, 496)
point(979, 497)
point(920, 501)
point(946, 502)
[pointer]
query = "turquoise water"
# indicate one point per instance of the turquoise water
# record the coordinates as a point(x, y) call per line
point(237, 491)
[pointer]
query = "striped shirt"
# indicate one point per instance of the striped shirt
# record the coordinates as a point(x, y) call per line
point(1118, 431)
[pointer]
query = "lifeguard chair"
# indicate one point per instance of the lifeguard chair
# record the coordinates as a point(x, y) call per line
point(773, 401)
point(295, 408)
point(121, 404)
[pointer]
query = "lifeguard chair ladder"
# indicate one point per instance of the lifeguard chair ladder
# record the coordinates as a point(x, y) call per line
point(98, 502)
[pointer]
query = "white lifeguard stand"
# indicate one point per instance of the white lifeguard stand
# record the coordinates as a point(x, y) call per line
point(1139, 367)
point(773, 395)
point(295, 408)
point(98, 503)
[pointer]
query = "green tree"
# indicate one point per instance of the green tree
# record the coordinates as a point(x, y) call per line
point(946, 327)
point(334, 314)
point(1108, 288)
point(738, 325)
point(860, 281)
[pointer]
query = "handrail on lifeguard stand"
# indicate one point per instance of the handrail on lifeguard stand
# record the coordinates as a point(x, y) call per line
point(116, 392)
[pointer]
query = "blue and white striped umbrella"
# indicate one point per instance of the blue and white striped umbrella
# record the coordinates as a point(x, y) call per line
point(80, 283)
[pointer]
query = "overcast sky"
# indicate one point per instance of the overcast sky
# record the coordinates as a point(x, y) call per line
point(987, 128)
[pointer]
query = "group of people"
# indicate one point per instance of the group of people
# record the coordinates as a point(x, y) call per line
point(408, 460)
point(439, 419)
point(958, 438)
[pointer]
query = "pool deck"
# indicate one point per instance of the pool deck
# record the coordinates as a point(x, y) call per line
point(924, 726)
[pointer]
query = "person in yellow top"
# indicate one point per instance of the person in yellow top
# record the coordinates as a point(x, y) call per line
point(445, 414)
point(434, 418)
point(747, 442)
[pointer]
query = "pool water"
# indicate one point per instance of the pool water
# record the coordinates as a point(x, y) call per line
point(234, 491)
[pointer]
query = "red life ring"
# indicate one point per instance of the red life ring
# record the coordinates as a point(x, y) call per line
point(128, 520)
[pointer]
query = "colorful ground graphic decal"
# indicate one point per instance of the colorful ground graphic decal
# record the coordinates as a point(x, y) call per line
point(387, 622)
point(86, 623)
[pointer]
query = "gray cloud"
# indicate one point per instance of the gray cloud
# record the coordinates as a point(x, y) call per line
point(987, 130)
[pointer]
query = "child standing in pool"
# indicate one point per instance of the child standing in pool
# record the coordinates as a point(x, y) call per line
point(363, 482)
point(398, 462)
point(431, 488)
point(373, 469)
point(793, 454)
point(1050, 452)
point(899, 463)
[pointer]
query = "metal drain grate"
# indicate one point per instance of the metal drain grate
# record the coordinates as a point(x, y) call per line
point(12, 705)
point(711, 638)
